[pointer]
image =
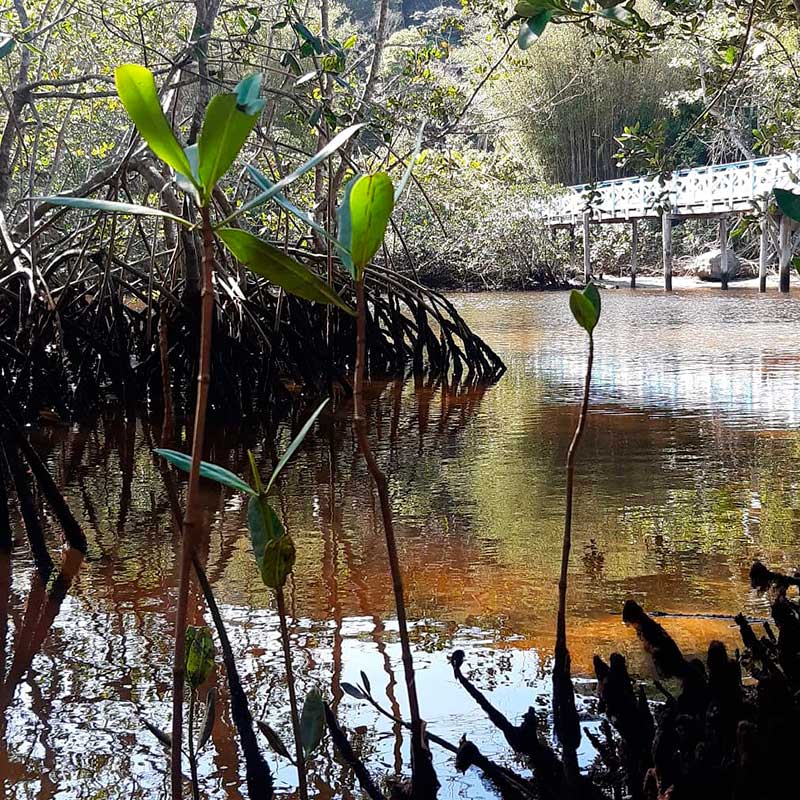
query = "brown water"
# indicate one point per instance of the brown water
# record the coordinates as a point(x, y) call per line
point(688, 471)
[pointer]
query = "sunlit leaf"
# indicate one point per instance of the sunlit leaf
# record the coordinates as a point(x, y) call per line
point(363, 216)
point(329, 149)
point(269, 262)
point(279, 557)
point(109, 206)
point(531, 29)
point(207, 470)
point(136, 88)
point(312, 722)
point(225, 129)
point(264, 525)
point(265, 184)
point(296, 442)
point(199, 655)
point(585, 307)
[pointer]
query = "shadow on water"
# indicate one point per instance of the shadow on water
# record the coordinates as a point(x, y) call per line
point(686, 475)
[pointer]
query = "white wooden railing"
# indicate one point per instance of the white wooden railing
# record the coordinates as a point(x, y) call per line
point(716, 189)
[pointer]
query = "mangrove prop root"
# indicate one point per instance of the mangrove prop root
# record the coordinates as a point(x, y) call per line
point(259, 777)
point(345, 750)
point(720, 737)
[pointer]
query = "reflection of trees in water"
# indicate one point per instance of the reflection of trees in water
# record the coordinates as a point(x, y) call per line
point(125, 598)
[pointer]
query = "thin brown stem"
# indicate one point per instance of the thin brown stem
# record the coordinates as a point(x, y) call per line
point(300, 757)
point(190, 744)
point(424, 782)
point(565, 714)
point(191, 520)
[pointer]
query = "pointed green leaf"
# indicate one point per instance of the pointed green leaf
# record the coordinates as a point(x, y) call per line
point(410, 166)
point(207, 470)
point(136, 88)
point(269, 262)
point(585, 307)
point(225, 129)
point(275, 741)
point(789, 203)
point(109, 206)
point(189, 183)
point(209, 716)
point(164, 738)
point(199, 655)
point(279, 556)
point(312, 722)
point(7, 44)
point(265, 184)
point(296, 442)
point(363, 217)
point(247, 94)
point(329, 149)
point(532, 29)
point(353, 691)
point(264, 526)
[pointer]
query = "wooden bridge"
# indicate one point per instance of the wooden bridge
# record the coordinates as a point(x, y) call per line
point(720, 191)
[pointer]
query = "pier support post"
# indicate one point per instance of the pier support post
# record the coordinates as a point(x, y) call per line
point(724, 260)
point(666, 236)
point(784, 251)
point(573, 250)
point(763, 254)
point(587, 253)
point(634, 251)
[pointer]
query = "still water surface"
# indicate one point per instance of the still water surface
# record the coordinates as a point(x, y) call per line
point(689, 470)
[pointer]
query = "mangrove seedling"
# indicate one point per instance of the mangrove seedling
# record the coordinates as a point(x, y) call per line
point(229, 119)
point(363, 217)
point(274, 553)
point(585, 308)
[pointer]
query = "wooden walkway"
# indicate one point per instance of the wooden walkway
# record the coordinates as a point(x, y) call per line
point(719, 191)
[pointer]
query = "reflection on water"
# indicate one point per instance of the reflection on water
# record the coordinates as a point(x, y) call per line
point(687, 473)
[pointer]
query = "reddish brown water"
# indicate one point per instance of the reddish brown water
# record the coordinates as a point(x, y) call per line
point(688, 472)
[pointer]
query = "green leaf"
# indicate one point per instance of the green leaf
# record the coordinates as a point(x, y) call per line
point(110, 206)
point(617, 14)
point(363, 216)
point(265, 184)
point(264, 526)
point(275, 741)
point(269, 262)
point(296, 442)
point(585, 307)
point(207, 725)
point(353, 691)
point(729, 55)
point(136, 88)
point(279, 556)
point(410, 166)
point(7, 44)
point(312, 722)
point(207, 470)
point(530, 8)
point(329, 149)
point(189, 183)
point(532, 29)
point(199, 655)
point(247, 94)
point(788, 203)
point(225, 129)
